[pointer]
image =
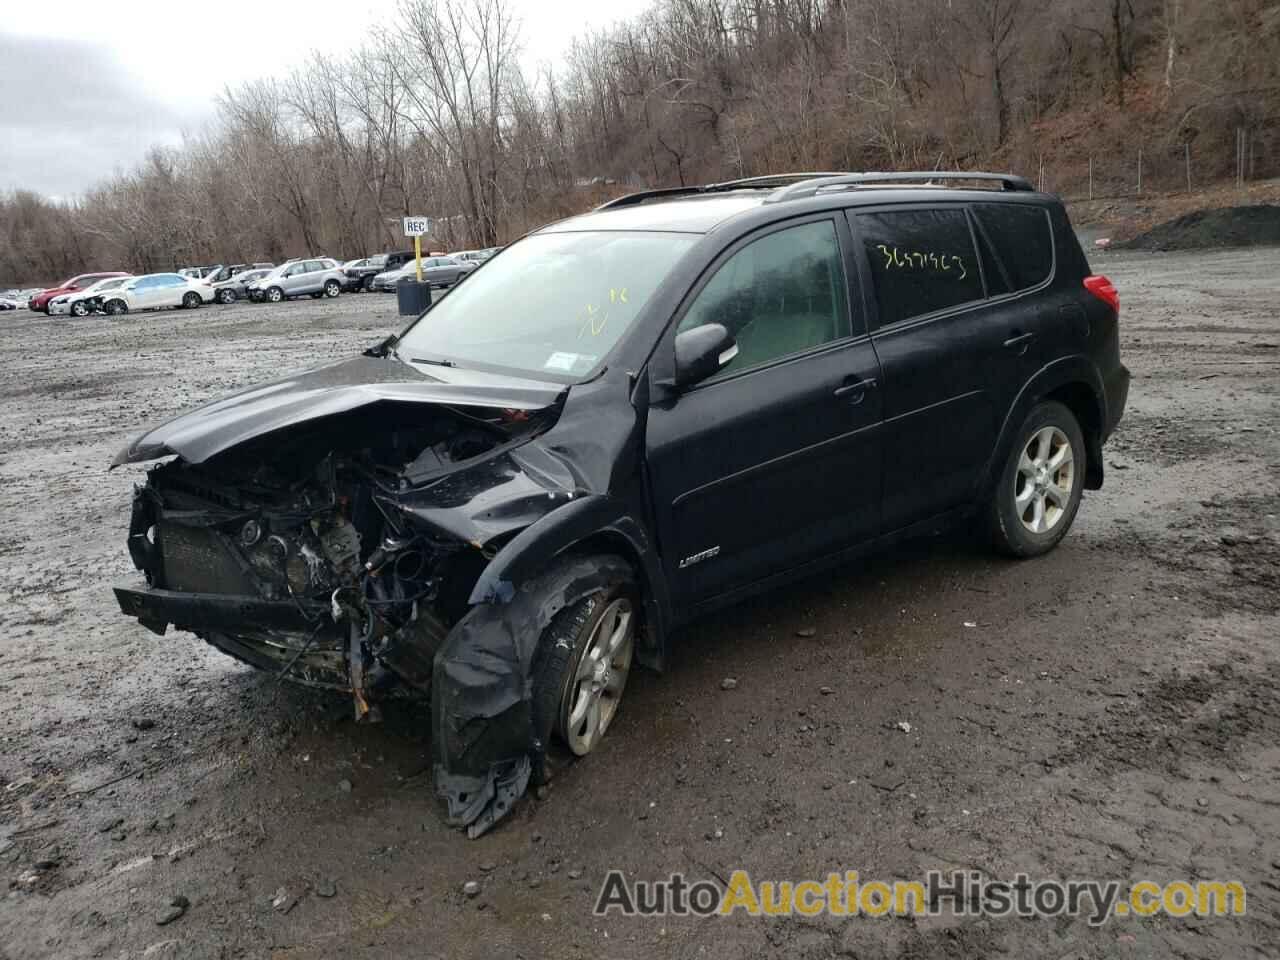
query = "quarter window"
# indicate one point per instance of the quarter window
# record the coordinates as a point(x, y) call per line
point(921, 261)
point(780, 295)
point(1022, 239)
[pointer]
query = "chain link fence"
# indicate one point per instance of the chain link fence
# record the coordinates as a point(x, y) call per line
point(1137, 168)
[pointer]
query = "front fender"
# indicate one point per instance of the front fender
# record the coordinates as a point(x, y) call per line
point(606, 523)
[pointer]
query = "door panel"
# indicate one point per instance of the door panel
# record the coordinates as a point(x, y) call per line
point(774, 461)
point(941, 353)
point(769, 470)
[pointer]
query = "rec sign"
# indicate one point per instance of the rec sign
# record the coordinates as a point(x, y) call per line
point(417, 226)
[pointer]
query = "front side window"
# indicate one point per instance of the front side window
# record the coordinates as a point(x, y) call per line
point(921, 261)
point(780, 295)
point(554, 304)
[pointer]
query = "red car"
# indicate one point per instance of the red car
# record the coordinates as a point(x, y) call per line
point(41, 300)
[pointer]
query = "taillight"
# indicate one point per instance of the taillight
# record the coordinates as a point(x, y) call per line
point(1104, 290)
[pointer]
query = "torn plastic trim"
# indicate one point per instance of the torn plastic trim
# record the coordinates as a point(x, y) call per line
point(484, 745)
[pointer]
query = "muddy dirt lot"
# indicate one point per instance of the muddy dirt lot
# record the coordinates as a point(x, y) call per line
point(1111, 710)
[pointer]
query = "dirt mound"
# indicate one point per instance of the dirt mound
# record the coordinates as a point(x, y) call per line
point(1252, 226)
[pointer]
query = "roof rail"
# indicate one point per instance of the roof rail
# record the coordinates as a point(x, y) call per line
point(768, 182)
point(809, 188)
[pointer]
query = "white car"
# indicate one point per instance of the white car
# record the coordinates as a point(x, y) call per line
point(80, 303)
point(156, 291)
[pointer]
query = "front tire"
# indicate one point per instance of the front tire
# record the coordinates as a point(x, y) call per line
point(78, 309)
point(1038, 492)
point(275, 295)
point(191, 300)
point(115, 308)
point(226, 296)
point(581, 667)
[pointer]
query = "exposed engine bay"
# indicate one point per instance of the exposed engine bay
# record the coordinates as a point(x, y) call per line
point(340, 552)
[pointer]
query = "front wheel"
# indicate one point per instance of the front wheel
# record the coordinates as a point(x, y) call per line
point(580, 670)
point(367, 284)
point(115, 308)
point(226, 296)
point(191, 300)
point(1038, 492)
point(332, 288)
point(275, 295)
point(79, 309)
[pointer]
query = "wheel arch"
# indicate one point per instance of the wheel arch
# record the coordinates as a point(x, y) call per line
point(595, 524)
point(1076, 384)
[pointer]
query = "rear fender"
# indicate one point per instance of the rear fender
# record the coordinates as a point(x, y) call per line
point(1065, 374)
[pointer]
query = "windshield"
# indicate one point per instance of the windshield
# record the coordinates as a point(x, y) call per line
point(552, 304)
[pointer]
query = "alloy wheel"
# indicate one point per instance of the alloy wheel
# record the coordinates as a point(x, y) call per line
point(591, 699)
point(1044, 481)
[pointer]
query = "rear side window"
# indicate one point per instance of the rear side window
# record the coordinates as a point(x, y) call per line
point(1022, 238)
point(921, 261)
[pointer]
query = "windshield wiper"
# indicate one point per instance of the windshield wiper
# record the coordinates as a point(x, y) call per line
point(438, 363)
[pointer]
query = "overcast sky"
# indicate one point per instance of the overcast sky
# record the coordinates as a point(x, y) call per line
point(87, 87)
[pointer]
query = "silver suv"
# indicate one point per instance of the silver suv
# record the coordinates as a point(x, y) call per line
point(320, 277)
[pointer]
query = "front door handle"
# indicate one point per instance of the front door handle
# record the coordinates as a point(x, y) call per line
point(855, 392)
point(1019, 342)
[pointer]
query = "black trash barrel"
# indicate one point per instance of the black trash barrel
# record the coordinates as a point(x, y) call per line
point(413, 297)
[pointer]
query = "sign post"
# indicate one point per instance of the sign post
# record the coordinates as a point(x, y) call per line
point(417, 227)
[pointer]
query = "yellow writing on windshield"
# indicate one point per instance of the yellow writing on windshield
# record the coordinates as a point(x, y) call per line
point(917, 260)
point(595, 319)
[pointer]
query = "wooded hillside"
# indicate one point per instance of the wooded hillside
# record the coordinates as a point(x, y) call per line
point(438, 117)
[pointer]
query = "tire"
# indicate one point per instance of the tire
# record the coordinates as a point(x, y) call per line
point(79, 309)
point(226, 296)
point(115, 308)
point(366, 284)
point(274, 294)
point(191, 300)
point(332, 288)
point(607, 618)
point(1037, 494)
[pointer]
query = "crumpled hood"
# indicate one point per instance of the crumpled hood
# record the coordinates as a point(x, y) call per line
point(217, 426)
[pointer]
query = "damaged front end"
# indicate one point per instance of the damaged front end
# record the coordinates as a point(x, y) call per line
point(338, 553)
point(371, 530)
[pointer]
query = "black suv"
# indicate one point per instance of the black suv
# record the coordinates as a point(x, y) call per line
point(624, 420)
point(360, 273)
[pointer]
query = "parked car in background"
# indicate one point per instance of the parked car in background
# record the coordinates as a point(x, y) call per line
point(436, 271)
point(232, 288)
point(86, 301)
point(157, 291)
point(197, 273)
point(475, 256)
point(41, 300)
point(318, 277)
point(360, 273)
point(225, 272)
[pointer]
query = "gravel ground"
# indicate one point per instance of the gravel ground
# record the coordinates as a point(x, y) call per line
point(1110, 710)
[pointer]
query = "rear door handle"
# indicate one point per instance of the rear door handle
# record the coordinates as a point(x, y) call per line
point(855, 392)
point(1020, 342)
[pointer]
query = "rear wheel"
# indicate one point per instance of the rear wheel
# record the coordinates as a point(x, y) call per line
point(191, 300)
point(1038, 492)
point(226, 296)
point(332, 288)
point(115, 307)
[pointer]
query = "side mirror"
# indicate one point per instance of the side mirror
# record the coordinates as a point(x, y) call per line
point(702, 351)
